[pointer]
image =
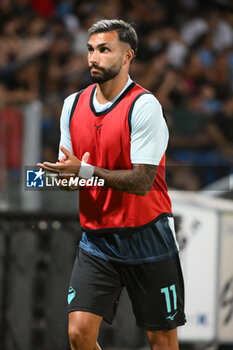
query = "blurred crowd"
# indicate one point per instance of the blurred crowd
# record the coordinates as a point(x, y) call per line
point(185, 58)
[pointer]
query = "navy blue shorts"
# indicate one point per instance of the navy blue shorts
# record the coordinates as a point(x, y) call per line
point(156, 290)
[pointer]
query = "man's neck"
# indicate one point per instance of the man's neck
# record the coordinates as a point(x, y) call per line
point(110, 89)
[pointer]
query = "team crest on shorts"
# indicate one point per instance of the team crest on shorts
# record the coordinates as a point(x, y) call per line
point(71, 294)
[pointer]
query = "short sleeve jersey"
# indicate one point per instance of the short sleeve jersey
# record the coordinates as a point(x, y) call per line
point(149, 132)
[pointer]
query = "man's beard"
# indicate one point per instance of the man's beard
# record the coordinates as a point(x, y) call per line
point(105, 74)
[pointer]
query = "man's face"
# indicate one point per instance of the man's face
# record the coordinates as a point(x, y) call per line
point(105, 56)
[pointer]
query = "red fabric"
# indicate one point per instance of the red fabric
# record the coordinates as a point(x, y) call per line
point(109, 148)
point(11, 138)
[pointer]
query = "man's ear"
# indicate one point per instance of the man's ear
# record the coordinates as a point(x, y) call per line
point(129, 55)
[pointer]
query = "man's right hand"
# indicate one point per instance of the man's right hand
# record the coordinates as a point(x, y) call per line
point(68, 164)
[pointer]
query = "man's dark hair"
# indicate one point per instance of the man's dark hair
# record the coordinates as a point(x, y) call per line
point(126, 32)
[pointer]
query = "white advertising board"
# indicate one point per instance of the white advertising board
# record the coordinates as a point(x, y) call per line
point(225, 324)
point(198, 238)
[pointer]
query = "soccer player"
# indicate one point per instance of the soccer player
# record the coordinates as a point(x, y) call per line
point(115, 130)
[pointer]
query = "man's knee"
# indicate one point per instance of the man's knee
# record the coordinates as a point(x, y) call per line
point(161, 343)
point(83, 330)
point(79, 334)
point(163, 340)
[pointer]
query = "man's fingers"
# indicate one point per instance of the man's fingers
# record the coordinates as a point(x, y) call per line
point(47, 168)
point(63, 159)
point(85, 157)
point(66, 152)
point(57, 165)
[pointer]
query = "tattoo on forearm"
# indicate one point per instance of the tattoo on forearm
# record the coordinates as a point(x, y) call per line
point(138, 180)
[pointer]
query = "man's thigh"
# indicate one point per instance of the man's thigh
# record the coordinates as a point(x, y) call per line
point(156, 291)
point(95, 286)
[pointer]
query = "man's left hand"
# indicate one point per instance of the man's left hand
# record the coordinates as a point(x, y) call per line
point(69, 164)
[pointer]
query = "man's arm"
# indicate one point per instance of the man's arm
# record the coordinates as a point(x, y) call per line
point(138, 180)
point(65, 138)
